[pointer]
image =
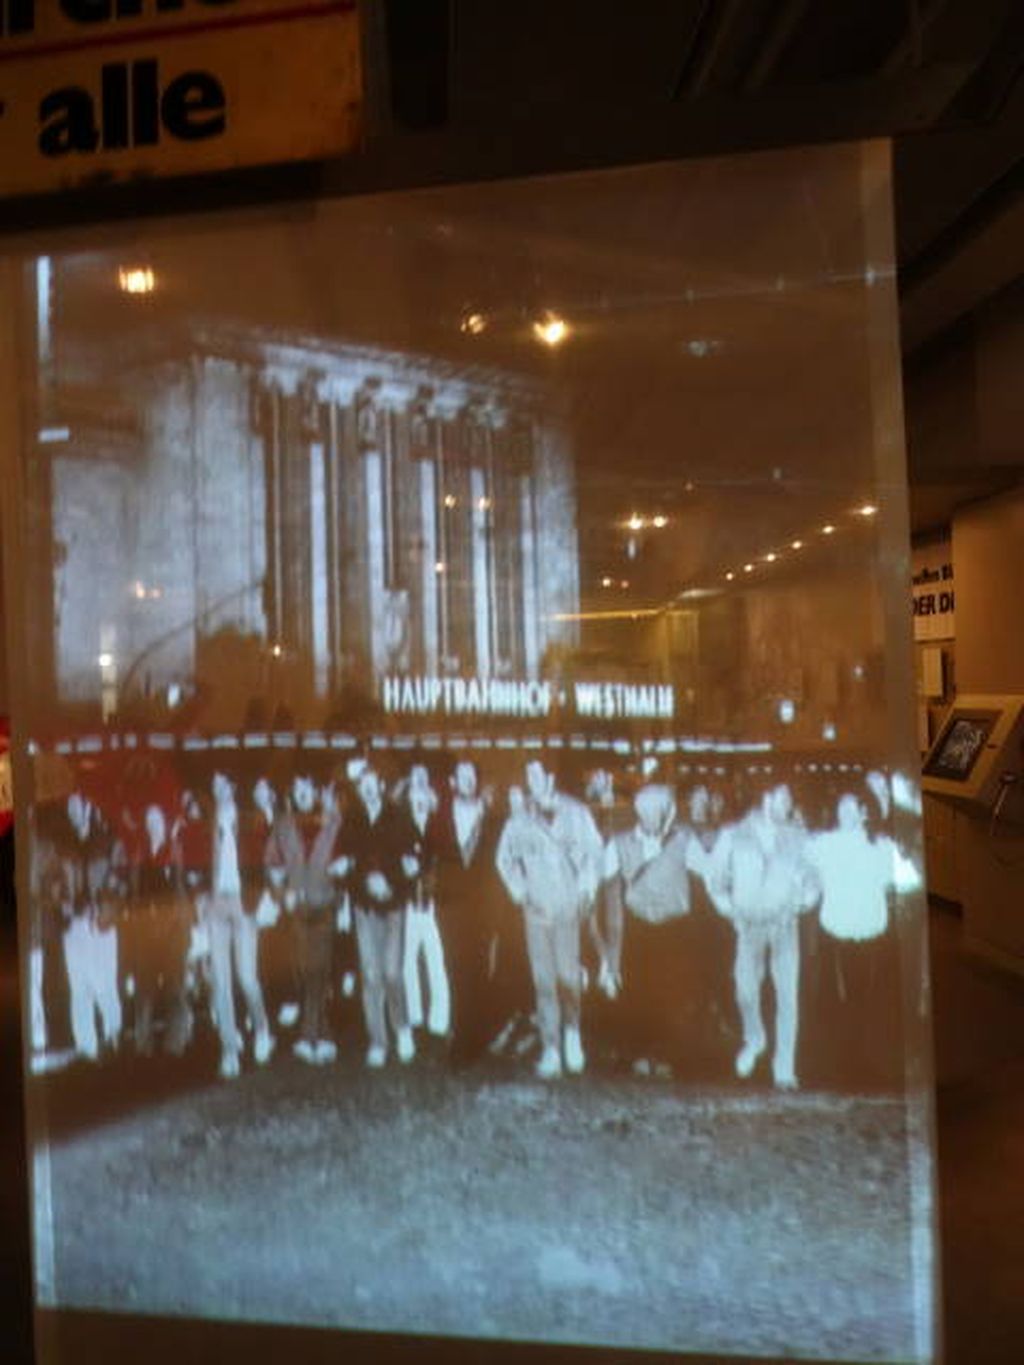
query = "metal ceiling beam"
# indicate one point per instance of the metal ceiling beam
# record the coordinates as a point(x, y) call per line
point(723, 18)
point(775, 42)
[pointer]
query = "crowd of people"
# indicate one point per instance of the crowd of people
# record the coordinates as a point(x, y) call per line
point(564, 931)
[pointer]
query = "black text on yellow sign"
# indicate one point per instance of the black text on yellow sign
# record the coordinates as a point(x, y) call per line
point(108, 89)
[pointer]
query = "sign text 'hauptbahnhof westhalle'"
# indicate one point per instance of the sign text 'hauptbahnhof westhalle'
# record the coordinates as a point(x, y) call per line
point(125, 88)
point(428, 696)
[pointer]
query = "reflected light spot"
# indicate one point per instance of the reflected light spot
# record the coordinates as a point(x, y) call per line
point(551, 329)
point(105, 660)
point(276, 650)
point(473, 324)
point(484, 504)
point(635, 523)
point(624, 583)
point(136, 279)
point(439, 566)
point(450, 500)
point(606, 582)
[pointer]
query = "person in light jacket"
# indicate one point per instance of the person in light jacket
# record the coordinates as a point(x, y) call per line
point(760, 878)
point(859, 968)
point(234, 935)
point(84, 884)
point(549, 856)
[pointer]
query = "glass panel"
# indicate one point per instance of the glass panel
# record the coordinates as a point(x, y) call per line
point(469, 843)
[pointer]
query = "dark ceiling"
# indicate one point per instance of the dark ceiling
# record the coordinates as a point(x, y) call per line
point(473, 89)
point(542, 85)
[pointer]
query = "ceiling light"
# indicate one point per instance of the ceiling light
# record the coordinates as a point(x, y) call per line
point(796, 545)
point(828, 529)
point(659, 522)
point(729, 576)
point(868, 510)
point(748, 568)
point(136, 279)
point(473, 324)
point(450, 500)
point(606, 582)
point(770, 557)
point(635, 523)
point(551, 329)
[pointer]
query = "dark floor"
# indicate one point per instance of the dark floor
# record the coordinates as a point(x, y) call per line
point(979, 1016)
point(979, 1048)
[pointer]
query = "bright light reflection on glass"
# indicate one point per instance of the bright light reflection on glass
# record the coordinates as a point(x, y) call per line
point(136, 279)
point(551, 329)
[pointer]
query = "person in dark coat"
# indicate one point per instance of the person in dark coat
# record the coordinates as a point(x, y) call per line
point(158, 924)
point(301, 859)
point(423, 944)
point(379, 868)
point(483, 948)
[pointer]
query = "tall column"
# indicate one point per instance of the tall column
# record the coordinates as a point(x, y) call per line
point(481, 576)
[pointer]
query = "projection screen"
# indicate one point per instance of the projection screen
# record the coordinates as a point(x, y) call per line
point(468, 815)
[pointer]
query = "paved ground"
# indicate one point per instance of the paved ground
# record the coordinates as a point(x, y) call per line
point(615, 1211)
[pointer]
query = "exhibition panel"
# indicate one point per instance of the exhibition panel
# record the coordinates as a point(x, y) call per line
point(461, 660)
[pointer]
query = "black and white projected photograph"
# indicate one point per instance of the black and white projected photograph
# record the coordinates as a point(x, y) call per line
point(474, 860)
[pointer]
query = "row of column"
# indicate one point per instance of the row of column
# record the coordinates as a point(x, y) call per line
point(398, 539)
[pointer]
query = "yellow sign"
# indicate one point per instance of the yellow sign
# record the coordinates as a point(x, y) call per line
point(99, 90)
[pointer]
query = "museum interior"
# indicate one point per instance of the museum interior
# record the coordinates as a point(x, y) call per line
point(461, 92)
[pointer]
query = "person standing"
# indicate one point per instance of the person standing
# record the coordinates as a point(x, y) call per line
point(276, 944)
point(301, 863)
point(859, 970)
point(550, 858)
point(86, 885)
point(760, 878)
point(647, 902)
point(379, 868)
point(234, 935)
point(470, 896)
point(422, 937)
point(159, 929)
